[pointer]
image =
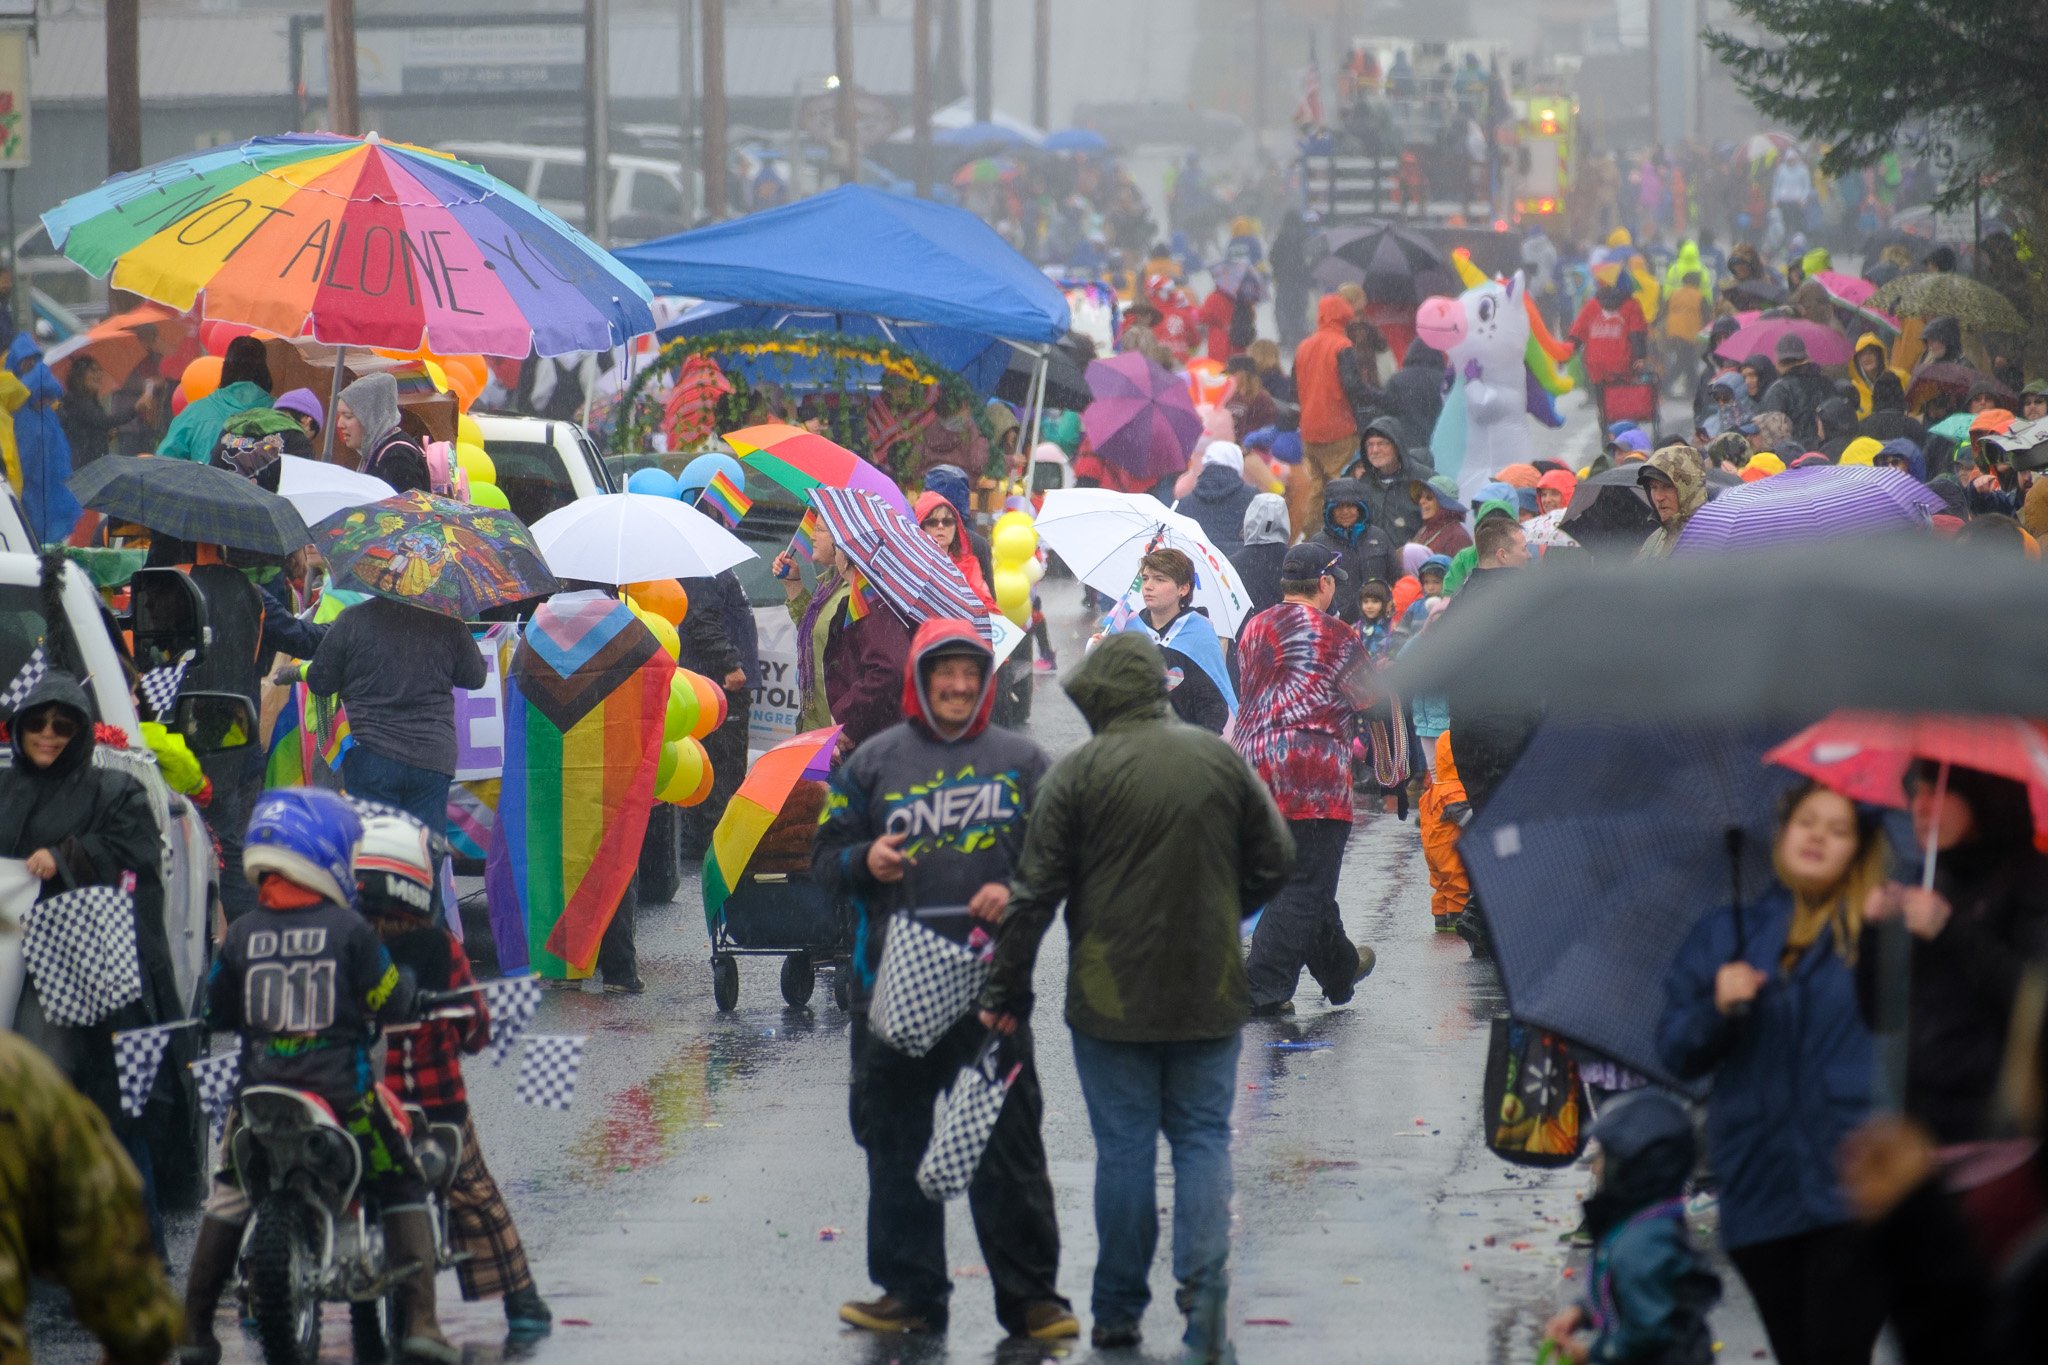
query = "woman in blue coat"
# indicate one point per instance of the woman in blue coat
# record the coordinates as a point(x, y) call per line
point(1768, 1009)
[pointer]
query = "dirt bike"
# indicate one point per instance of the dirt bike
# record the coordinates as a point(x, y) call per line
point(310, 1241)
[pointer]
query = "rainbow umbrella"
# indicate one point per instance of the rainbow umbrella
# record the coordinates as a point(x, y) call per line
point(357, 242)
point(800, 460)
point(753, 808)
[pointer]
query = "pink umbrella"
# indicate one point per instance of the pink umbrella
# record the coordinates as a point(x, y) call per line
point(1848, 290)
point(1142, 420)
point(1824, 345)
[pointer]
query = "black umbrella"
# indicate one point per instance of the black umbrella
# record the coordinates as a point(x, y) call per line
point(194, 502)
point(1396, 268)
point(1761, 291)
point(1609, 510)
point(1875, 624)
point(1599, 853)
point(1066, 380)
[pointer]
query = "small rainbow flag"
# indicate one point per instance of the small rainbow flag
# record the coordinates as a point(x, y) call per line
point(725, 495)
point(857, 605)
point(801, 541)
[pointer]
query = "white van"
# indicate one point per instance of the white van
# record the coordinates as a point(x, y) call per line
point(648, 197)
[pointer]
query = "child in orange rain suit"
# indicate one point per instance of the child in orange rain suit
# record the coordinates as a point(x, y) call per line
point(1443, 811)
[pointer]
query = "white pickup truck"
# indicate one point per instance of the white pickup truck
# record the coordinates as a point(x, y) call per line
point(190, 874)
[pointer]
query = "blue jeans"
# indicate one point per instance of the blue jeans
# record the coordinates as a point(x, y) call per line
point(1134, 1092)
point(420, 792)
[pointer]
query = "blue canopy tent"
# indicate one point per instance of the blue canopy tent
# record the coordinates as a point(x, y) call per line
point(876, 264)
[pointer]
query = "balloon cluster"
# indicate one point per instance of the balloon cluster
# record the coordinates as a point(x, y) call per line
point(696, 704)
point(656, 482)
point(1014, 547)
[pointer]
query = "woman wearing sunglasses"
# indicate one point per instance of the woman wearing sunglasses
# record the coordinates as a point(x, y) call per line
point(76, 825)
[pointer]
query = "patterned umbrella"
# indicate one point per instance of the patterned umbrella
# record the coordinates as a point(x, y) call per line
point(1825, 502)
point(900, 561)
point(434, 553)
point(1142, 420)
point(1864, 755)
point(800, 460)
point(1396, 268)
point(1934, 294)
point(192, 502)
point(357, 242)
point(753, 808)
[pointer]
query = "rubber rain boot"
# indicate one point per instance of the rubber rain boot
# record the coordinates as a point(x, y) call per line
point(213, 1265)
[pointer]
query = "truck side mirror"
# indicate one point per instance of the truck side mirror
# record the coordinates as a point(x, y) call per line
point(214, 722)
point(168, 618)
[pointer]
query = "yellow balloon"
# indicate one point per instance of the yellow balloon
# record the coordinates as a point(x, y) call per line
point(469, 433)
point(475, 462)
point(687, 774)
point(437, 374)
point(671, 642)
point(1013, 595)
point(488, 495)
point(1014, 541)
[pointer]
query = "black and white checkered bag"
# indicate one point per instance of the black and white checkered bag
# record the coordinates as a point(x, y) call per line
point(925, 985)
point(965, 1119)
point(80, 950)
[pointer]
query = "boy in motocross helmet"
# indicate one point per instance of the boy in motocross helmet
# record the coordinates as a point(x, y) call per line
point(394, 870)
point(307, 985)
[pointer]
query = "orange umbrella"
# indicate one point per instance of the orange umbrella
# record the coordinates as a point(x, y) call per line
point(116, 344)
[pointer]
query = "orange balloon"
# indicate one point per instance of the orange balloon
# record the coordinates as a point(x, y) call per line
point(662, 596)
point(465, 385)
point(710, 705)
point(703, 792)
point(471, 365)
point(201, 378)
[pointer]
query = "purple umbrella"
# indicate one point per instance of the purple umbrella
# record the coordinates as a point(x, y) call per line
point(1824, 345)
point(1143, 420)
point(1823, 502)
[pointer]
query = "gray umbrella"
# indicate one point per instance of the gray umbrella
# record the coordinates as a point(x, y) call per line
point(1891, 623)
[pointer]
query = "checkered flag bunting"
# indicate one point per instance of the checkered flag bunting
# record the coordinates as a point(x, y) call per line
point(512, 1001)
point(80, 949)
point(218, 1079)
point(138, 1052)
point(25, 681)
point(547, 1069)
point(925, 985)
point(961, 1133)
point(159, 686)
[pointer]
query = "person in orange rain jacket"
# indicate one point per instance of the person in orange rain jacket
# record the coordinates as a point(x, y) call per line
point(1442, 810)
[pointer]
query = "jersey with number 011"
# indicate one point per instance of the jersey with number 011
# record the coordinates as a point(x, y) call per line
point(308, 990)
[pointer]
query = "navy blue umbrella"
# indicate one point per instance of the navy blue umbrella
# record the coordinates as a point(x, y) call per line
point(1598, 854)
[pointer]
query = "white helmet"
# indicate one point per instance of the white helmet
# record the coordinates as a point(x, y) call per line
point(394, 865)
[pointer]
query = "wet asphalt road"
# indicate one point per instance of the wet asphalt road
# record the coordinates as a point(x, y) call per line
point(703, 1199)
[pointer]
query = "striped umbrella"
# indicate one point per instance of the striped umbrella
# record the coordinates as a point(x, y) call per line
point(898, 560)
point(1824, 502)
point(753, 809)
point(800, 460)
point(357, 242)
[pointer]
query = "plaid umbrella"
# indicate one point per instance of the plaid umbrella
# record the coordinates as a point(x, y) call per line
point(1395, 267)
point(1826, 502)
point(444, 556)
point(898, 560)
point(192, 502)
point(1934, 294)
point(1596, 857)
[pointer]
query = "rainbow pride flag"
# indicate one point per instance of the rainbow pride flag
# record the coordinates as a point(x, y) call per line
point(725, 495)
point(858, 600)
point(585, 697)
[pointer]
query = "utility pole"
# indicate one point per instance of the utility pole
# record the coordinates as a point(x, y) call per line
point(846, 100)
point(921, 93)
point(124, 85)
point(1041, 64)
point(1259, 60)
point(597, 120)
point(984, 60)
point(344, 114)
point(686, 103)
point(712, 35)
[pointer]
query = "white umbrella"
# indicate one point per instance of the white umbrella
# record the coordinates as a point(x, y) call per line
point(319, 489)
point(1102, 534)
point(633, 537)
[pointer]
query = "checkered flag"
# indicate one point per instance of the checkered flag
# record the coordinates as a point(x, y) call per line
point(961, 1132)
point(925, 985)
point(159, 686)
point(80, 950)
point(547, 1069)
point(25, 681)
point(218, 1079)
point(512, 1002)
point(138, 1052)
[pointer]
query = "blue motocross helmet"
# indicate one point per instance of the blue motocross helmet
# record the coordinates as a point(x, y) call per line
point(307, 836)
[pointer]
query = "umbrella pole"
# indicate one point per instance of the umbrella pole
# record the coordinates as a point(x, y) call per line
point(1895, 976)
point(334, 398)
point(1037, 411)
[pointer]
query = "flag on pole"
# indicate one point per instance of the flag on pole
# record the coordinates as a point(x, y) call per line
point(801, 541)
point(159, 686)
point(1308, 113)
point(547, 1069)
point(725, 496)
point(32, 670)
point(218, 1079)
point(857, 604)
point(512, 1001)
point(138, 1053)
